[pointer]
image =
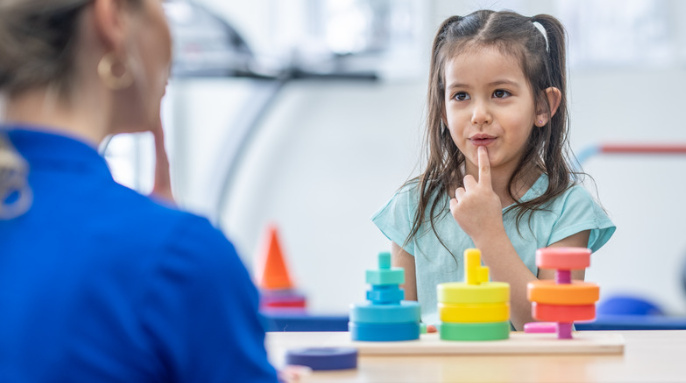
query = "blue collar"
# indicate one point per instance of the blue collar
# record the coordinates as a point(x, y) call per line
point(45, 150)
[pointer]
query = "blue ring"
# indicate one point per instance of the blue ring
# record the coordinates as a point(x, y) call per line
point(368, 312)
point(383, 332)
point(385, 294)
point(323, 358)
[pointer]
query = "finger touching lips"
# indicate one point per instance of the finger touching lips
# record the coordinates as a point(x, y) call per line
point(484, 166)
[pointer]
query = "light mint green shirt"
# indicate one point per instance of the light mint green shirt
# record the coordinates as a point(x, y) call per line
point(568, 214)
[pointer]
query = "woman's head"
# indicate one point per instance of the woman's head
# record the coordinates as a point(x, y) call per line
point(76, 49)
point(105, 59)
point(470, 57)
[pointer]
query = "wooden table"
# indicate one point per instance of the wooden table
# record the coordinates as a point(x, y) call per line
point(649, 356)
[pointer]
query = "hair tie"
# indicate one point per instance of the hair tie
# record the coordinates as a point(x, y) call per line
point(540, 27)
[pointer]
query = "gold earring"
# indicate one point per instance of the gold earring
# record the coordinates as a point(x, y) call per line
point(106, 73)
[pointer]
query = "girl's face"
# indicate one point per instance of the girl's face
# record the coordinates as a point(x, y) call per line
point(488, 103)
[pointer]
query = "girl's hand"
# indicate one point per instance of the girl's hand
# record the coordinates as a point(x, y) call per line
point(476, 207)
point(162, 187)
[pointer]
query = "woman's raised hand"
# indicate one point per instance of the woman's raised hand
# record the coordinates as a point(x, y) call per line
point(162, 187)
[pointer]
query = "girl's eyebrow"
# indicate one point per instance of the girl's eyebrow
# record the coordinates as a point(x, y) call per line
point(458, 85)
point(490, 84)
point(504, 82)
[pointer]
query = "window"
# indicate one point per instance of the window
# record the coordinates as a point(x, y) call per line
point(621, 33)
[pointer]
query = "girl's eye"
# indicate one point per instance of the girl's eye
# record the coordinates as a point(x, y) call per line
point(501, 93)
point(461, 96)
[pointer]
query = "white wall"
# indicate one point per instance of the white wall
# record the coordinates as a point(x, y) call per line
point(330, 153)
point(643, 194)
point(327, 158)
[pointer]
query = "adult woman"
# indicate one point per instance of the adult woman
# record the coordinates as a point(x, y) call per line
point(99, 283)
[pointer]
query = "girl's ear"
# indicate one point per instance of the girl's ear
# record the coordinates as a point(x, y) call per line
point(554, 97)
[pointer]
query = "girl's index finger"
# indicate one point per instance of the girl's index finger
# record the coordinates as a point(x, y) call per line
point(484, 167)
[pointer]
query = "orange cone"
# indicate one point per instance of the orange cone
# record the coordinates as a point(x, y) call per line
point(272, 272)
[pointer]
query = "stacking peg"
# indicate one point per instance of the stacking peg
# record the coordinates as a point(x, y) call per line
point(563, 300)
point(385, 316)
point(474, 310)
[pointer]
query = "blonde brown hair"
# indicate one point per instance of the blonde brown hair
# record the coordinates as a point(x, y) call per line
point(37, 48)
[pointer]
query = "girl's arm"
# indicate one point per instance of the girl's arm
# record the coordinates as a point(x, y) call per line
point(401, 258)
point(577, 240)
point(478, 211)
point(506, 266)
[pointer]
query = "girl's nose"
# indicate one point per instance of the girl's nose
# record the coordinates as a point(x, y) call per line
point(481, 114)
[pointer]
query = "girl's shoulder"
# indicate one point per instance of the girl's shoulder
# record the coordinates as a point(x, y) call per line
point(410, 194)
point(540, 187)
point(577, 193)
point(575, 210)
point(404, 198)
point(574, 196)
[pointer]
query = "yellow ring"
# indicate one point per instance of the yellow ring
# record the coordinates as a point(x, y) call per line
point(459, 293)
point(474, 313)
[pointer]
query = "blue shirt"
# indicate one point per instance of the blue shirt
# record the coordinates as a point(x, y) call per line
point(570, 213)
point(101, 284)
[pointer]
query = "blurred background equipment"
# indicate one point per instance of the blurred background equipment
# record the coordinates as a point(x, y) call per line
point(309, 113)
point(272, 276)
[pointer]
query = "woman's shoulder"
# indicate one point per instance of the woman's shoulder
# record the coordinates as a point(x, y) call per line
point(162, 228)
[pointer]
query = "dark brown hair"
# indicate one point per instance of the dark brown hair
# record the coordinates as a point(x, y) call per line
point(543, 64)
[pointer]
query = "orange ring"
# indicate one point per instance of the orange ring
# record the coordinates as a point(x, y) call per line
point(575, 293)
point(563, 258)
point(566, 314)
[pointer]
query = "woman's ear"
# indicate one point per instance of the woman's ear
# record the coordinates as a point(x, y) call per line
point(554, 97)
point(109, 22)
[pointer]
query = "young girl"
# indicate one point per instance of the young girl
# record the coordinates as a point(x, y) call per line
point(498, 175)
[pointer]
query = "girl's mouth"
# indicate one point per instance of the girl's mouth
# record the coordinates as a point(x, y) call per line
point(481, 139)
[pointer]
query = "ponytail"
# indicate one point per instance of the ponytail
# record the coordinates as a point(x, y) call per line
point(555, 35)
point(555, 151)
point(15, 194)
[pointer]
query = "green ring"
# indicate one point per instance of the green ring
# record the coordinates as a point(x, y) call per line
point(475, 331)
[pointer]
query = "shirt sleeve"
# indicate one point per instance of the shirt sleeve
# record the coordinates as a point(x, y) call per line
point(395, 218)
point(579, 212)
point(201, 310)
